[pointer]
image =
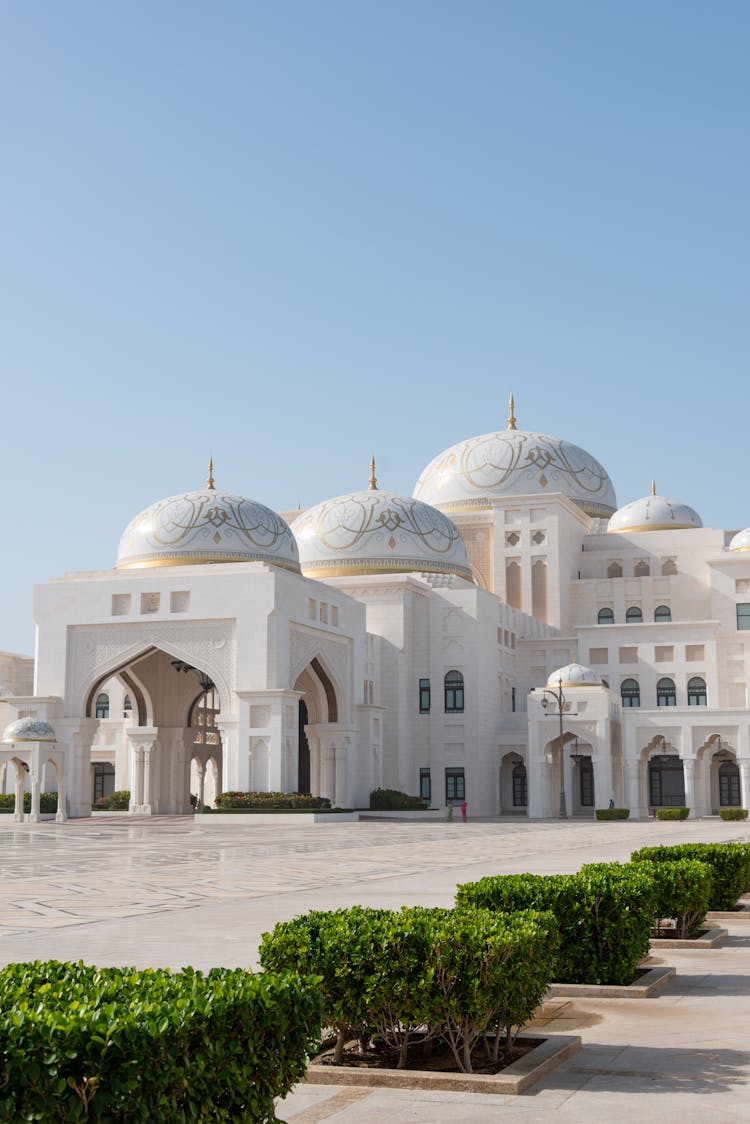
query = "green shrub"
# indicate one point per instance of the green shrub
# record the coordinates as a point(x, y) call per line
point(342, 946)
point(431, 972)
point(391, 800)
point(118, 801)
point(604, 914)
point(116, 1045)
point(302, 800)
point(672, 813)
point(612, 813)
point(733, 813)
point(729, 862)
point(683, 892)
point(47, 802)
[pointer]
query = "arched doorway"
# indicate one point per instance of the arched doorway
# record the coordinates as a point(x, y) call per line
point(666, 781)
point(321, 764)
point(303, 750)
point(514, 790)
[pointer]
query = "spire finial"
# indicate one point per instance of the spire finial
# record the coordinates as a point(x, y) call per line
point(511, 414)
point(373, 478)
point(653, 488)
point(210, 481)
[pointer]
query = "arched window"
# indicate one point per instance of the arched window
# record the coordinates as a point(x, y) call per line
point(630, 692)
point(729, 785)
point(605, 616)
point(697, 691)
point(454, 693)
point(633, 615)
point(641, 569)
point(127, 707)
point(102, 706)
point(666, 695)
point(520, 797)
point(662, 613)
point(614, 570)
point(668, 566)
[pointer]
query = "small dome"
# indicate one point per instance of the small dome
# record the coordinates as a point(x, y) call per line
point(574, 675)
point(653, 513)
point(479, 472)
point(28, 730)
point(204, 527)
point(741, 540)
point(372, 532)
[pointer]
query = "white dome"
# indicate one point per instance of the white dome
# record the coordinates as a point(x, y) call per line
point(371, 532)
point(653, 513)
point(741, 540)
point(574, 675)
point(28, 730)
point(515, 462)
point(207, 526)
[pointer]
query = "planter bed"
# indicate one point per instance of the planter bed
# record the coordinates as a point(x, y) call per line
point(259, 816)
point(545, 1054)
point(708, 938)
point(645, 986)
point(413, 814)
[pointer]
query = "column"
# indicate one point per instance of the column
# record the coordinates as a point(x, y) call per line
point(61, 815)
point(33, 816)
point(75, 736)
point(328, 777)
point(148, 768)
point(201, 771)
point(688, 768)
point(20, 786)
point(341, 779)
point(744, 767)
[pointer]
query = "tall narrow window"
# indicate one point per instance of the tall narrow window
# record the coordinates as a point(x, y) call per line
point(729, 785)
point(513, 699)
point(455, 785)
point(586, 776)
point(454, 693)
point(633, 615)
point(425, 785)
point(696, 691)
point(127, 707)
point(662, 613)
point(605, 616)
point(520, 785)
point(666, 694)
point(424, 696)
point(743, 617)
point(630, 692)
point(102, 706)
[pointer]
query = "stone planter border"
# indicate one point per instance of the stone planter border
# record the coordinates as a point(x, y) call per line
point(649, 985)
point(516, 1078)
point(711, 938)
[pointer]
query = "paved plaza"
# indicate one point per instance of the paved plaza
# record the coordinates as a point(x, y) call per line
point(177, 891)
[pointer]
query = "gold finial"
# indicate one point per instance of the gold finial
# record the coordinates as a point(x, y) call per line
point(512, 414)
point(653, 488)
point(373, 478)
point(210, 481)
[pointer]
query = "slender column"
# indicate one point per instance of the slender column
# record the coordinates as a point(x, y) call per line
point(136, 792)
point(201, 771)
point(148, 778)
point(62, 814)
point(20, 786)
point(33, 816)
point(341, 777)
point(328, 777)
point(744, 767)
point(688, 769)
point(634, 798)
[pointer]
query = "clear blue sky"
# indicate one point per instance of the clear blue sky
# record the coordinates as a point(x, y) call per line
point(291, 233)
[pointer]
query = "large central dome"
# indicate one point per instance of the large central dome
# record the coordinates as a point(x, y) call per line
point(371, 532)
point(480, 471)
point(207, 526)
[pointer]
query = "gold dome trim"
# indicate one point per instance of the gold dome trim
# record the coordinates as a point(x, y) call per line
point(201, 560)
point(654, 527)
point(374, 569)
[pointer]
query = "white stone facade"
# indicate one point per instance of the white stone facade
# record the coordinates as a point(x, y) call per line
point(177, 674)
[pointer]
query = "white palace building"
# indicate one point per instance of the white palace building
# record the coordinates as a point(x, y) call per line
point(507, 635)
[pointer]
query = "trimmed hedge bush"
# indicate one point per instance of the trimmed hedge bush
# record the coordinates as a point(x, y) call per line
point(47, 802)
point(391, 800)
point(302, 800)
point(604, 914)
point(683, 892)
point(612, 813)
point(729, 862)
point(116, 801)
point(459, 976)
point(733, 813)
point(672, 813)
point(119, 1045)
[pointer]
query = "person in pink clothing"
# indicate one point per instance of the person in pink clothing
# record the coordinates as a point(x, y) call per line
point(463, 811)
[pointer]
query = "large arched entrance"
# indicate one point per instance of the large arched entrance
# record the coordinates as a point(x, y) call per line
point(169, 731)
point(322, 763)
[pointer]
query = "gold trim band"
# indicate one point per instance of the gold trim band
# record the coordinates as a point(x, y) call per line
point(200, 560)
point(654, 527)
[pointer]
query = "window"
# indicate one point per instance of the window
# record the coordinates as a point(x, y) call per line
point(127, 707)
point(598, 655)
point(628, 655)
point(697, 691)
point(586, 776)
point(614, 570)
point(455, 785)
point(633, 615)
point(668, 566)
point(104, 779)
point(424, 696)
point(666, 694)
point(150, 602)
point(120, 604)
point(179, 601)
point(425, 785)
point(513, 699)
point(630, 692)
point(729, 785)
point(664, 653)
point(641, 569)
point(454, 693)
point(520, 785)
point(102, 706)
point(666, 783)
point(662, 613)
point(743, 617)
point(605, 616)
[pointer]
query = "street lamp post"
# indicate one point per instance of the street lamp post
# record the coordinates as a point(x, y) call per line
point(559, 698)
